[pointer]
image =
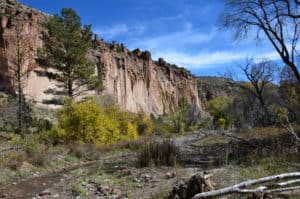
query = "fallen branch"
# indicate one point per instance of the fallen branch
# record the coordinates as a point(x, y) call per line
point(238, 188)
point(288, 182)
point(10, 149)
point(291, 130)
point(282, 189)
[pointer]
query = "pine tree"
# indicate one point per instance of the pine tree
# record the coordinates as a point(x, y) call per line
point(66, 45)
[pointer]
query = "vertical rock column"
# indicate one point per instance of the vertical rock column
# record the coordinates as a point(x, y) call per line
point(4, 68)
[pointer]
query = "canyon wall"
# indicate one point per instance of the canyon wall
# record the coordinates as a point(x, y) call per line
point(135, 81)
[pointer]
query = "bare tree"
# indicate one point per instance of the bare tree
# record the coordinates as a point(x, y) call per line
point(19, 50)
point(260, 76)
point(277, 20)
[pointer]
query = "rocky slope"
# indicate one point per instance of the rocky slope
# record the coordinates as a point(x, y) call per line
point(212, 87)
point(132, 78)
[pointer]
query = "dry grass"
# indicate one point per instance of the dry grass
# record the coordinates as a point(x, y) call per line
point(211, 140)
point(255, 133)
point(158, 154)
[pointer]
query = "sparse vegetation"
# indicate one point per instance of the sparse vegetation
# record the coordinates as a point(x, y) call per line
point(78, 189)
point(158, 154)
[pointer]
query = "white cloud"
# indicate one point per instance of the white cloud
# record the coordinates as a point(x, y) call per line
point(207, 60)
point(175, 40)
point(111, 32)
point(173, 47)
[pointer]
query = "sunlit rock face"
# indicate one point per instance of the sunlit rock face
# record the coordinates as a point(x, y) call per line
point(132, 78)
point(141, 84)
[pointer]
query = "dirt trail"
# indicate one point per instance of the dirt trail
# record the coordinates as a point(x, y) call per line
point(45, 183)
point(56, 183)
point(32, 187)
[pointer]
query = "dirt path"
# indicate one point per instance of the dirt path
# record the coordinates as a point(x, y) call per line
point(127, 181)
point(47, 184)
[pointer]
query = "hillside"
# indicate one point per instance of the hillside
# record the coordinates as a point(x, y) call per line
point(212, 87)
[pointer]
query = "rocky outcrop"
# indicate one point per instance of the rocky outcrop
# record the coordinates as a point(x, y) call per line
point(212, 87)
point(136, 82)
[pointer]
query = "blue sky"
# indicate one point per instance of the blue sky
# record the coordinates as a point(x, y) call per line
point(183, 32)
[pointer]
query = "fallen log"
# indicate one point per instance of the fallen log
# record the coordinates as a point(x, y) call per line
point(282, 189)
point(9, 149)
point(238, 188)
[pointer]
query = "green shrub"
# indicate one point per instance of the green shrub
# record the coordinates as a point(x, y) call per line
point(34, 148)
point(55, 135)
point(42, 124)
point(162, 126)
point(78, 189)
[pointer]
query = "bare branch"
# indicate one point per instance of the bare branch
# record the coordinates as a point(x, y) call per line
point(277, 20)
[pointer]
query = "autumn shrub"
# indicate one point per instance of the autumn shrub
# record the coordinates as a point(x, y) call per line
point(129, 131)
point(144, 124)
point(218, 108)
point(86, 122)
point(128, 125)
point(164, 153)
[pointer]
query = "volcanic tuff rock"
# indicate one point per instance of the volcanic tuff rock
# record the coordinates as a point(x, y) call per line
point(136, 82)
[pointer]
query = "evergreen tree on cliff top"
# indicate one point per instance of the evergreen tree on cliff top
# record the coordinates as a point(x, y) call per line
point(66, 44)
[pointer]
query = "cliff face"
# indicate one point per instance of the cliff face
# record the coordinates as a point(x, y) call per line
point(136, 82)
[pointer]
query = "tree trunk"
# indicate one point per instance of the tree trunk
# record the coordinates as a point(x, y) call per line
point(296, 71)
point(70, 88)
point(19, 89)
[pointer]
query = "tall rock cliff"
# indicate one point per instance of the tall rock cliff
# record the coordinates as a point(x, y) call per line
point(132, 78)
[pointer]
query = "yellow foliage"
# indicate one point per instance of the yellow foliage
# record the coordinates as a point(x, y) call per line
point(87, 122)
point(222, 122)
point(219, 104)
point(131, 132)
point(218, 107)
point(145, 124)
point(282, 113)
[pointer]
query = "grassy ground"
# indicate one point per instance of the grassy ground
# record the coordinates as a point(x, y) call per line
point(255, 133)
point(123, 174)
point(30, 156)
